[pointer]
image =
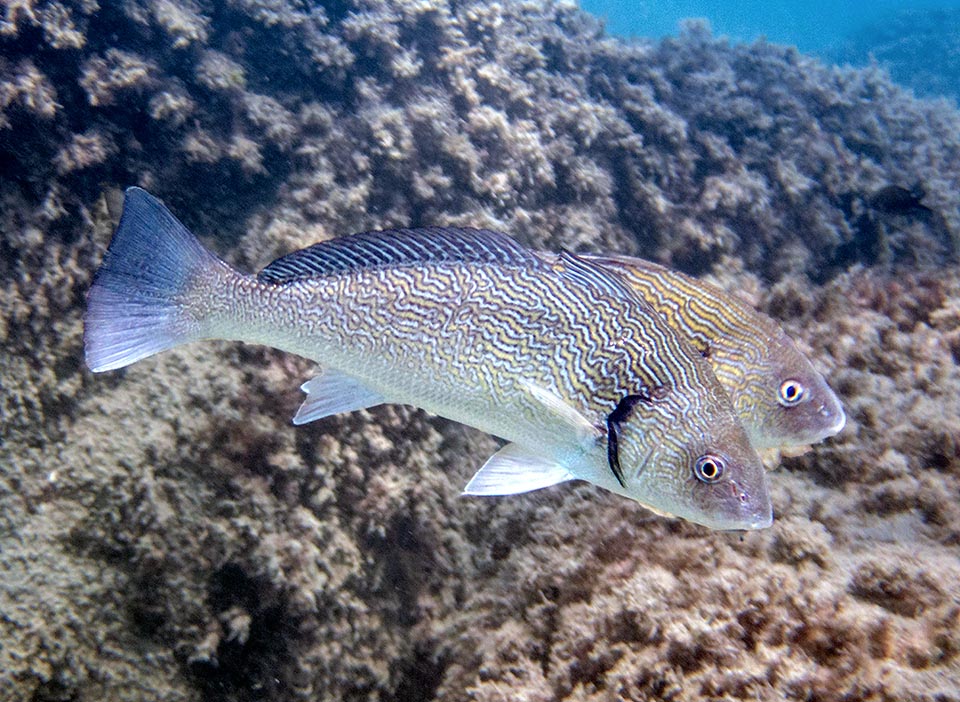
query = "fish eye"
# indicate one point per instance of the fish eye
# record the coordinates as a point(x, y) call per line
point(708, 468)
point(791, 392)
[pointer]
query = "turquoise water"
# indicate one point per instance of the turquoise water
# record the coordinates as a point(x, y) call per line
point(817, 25)
point(918, 43)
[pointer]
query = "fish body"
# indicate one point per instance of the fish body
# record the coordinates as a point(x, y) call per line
point(779, 396)
point(551, 353)
point(897, 200)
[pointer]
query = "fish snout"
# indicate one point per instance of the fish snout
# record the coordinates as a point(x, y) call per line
point(824, 419)
point(834, 418)
point(756, 511)
point(740, 499)
point(817, 416)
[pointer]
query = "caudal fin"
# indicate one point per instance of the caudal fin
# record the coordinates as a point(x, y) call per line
point(137, 304)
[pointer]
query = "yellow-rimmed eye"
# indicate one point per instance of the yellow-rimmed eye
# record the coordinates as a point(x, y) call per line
point(791, 392)
point(708, 468)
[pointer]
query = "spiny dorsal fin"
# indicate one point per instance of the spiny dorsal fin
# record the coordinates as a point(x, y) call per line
point(395, 247)
point(588, 273)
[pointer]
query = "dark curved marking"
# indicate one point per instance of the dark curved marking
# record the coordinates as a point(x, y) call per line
point(614, 419)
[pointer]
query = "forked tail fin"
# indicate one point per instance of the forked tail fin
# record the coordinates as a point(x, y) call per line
point(137, 305)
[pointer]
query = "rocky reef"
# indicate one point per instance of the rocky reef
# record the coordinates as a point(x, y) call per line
point(166, 534)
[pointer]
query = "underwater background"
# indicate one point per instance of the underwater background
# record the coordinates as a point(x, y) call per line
point(917, 42)
point(167, 534)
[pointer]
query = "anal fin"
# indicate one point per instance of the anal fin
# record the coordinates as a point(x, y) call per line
point(515, 469)
point(333, 392)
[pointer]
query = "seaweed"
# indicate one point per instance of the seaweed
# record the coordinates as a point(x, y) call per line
point(165, 534)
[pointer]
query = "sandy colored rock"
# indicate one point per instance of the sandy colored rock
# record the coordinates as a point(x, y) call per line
point(167, 534)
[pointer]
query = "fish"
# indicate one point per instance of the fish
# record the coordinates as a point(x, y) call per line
point(897, 200)
point(553, 354)
point(782, 401)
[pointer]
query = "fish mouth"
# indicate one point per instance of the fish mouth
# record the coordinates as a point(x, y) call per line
point(753, 521)
point(816, 425)
point(756, 512)
point(839, 421)
point(760, 520)
point(832, 420)
point(737, 510)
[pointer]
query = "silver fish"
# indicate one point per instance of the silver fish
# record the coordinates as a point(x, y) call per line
point(782, 400)
point(551, 353)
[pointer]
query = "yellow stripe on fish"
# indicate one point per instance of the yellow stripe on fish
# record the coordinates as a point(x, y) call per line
point(781, 399)
point(552, 353)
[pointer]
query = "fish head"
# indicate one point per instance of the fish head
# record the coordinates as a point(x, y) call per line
point(696, 463)
point(787, 402)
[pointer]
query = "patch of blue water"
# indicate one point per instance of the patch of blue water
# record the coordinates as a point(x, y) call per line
point(810, 25)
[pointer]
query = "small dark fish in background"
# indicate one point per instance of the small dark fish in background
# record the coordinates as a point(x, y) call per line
point(878, 220)
point(897, 200)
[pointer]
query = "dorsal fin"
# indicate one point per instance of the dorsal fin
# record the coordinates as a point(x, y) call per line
point(586, 272)
point(395, 247)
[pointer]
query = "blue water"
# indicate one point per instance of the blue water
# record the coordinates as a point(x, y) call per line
point(811, 25)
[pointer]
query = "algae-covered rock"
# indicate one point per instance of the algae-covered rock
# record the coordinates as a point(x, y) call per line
point(167, 534)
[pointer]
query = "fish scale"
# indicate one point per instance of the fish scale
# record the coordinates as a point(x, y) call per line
point(550, 352)
point(510, 321)
point(524, 319)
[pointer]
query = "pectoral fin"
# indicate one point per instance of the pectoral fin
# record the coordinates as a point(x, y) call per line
point(333, 392)
point(515, 469)
point(559, 408)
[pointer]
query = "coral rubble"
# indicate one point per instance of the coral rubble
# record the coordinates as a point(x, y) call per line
point(165, 534)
